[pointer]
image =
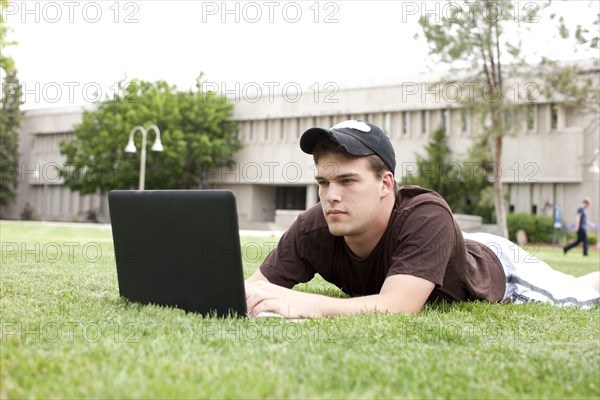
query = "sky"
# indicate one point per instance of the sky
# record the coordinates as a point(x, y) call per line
point(75, 52)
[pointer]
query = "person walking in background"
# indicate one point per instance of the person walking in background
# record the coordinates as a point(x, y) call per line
point(581, 226)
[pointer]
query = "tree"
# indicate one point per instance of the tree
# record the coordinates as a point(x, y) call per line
point(10, 118)
point(434, 171)
point(196, 133)
point(460, 183)
point(479, 188)
point(485, 44)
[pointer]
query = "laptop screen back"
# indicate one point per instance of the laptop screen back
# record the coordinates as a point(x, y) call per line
point(179, 248)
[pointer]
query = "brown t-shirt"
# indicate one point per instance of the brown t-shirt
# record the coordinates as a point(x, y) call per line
point(422, 239)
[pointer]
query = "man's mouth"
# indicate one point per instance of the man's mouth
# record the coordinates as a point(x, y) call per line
point(335, 212)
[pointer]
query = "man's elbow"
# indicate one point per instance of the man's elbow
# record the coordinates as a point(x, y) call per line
point(393, 305)
point(405, 293)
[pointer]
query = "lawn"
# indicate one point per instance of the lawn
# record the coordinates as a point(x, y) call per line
point(66, 333)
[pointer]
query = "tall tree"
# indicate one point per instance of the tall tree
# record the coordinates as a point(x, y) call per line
point(434, 171)
point(196, 131)
point(461, 183)
point(10, 117)
point(484, 42)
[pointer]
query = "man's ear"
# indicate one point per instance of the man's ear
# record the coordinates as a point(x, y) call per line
point(388, 182)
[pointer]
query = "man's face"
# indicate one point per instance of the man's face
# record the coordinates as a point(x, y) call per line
point(350, 194)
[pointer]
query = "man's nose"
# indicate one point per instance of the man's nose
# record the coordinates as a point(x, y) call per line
point(334, 193)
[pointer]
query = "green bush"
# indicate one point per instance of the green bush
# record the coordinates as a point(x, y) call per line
point(569, 236)
point(537, 227)
point(592, 238)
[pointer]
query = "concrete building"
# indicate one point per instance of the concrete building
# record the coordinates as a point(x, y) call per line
point(546, 162)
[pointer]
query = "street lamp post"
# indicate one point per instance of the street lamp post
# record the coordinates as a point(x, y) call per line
point(157, 146)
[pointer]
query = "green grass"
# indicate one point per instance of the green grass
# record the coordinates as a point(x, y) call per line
point(65, 333)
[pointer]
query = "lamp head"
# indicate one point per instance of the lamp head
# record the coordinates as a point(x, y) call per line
point(157, 146)
point(130, 148)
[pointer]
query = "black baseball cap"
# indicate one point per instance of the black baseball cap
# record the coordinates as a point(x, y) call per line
point(357, 138)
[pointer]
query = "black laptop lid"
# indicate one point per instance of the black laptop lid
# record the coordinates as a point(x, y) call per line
point(179, 248)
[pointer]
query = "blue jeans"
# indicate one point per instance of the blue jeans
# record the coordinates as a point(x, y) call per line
point(581, 237)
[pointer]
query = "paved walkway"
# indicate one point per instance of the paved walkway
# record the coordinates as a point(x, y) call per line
point(243, 232)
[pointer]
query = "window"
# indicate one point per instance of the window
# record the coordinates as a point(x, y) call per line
point(530, 117)
point(509, 118)
point(424, 121)
point(267, 123)
point(553, 116)
point(280, 125)
point(464, 116)
point(298, 127)
point(387, 123)
point(404, 123)
point(445, 120)
point(290, 198)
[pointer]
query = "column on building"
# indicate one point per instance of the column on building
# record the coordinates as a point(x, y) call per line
point(311, 195)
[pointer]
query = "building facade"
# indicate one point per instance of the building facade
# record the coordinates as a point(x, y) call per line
point(545, 162)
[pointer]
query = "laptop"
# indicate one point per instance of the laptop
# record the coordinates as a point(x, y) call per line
point(179, 248)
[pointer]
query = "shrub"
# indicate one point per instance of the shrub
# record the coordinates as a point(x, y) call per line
point(592, 238)
point(569, 236)
point(484, 206)
point(537, 227)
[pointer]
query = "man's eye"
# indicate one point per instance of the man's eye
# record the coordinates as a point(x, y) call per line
point(322, 183)
point(346, 181)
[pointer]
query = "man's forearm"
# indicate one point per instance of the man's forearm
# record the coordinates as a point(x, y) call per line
point(257, 276)
point(399, 293)
point(331, 306)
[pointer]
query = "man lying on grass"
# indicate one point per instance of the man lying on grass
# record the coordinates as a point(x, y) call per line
point(392, 249)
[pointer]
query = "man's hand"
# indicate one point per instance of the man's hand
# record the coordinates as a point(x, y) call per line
point(264, 296)
point(400, 293)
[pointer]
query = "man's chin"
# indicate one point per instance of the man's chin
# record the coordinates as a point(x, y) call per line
point(337, 230)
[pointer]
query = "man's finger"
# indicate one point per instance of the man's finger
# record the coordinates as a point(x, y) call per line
point(262, 306)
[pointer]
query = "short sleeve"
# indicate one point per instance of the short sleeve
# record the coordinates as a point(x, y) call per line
point(285, 266)
point(426, 241)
